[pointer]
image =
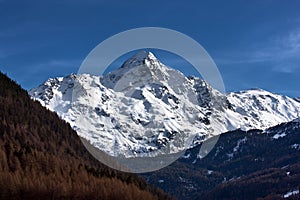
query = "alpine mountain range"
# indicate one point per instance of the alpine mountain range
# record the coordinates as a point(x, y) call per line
point(145, 107)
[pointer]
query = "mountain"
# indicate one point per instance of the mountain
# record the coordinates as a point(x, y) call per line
point(42, 157)
point(146, 109)
point(251, 164)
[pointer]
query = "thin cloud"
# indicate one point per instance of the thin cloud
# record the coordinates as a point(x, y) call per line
point(282, 47)
point(5, 53)
point(292, 42)
point(285, 68)
point(55, 63)
point(2, 54)
point(277, 51)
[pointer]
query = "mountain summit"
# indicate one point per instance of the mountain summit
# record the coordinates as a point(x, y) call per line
point(141, 69)
point(142, 57)
point(145, 108)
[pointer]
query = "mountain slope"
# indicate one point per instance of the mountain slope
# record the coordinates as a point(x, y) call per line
point(42, 157)
point(243, 165)
point(145, 108)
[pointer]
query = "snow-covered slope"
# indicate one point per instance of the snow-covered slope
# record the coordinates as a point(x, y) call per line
point(297, 99)
point(146, 108)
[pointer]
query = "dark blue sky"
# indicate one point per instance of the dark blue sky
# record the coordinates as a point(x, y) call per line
point(254, 43)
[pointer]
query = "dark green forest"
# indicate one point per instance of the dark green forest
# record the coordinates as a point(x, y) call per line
point(41, 157)
point(260, 168)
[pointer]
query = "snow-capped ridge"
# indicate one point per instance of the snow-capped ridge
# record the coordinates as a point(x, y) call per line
point(143, 107)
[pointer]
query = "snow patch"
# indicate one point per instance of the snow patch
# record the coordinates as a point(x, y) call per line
point(239, 142)
point(288, 194)
point(187, 156)
point(209, 172)
point(279, 135)
point(295, 146)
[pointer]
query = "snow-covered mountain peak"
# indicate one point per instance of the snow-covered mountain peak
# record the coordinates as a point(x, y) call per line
point(141, 70)
point(145, 108)
point(142, 57)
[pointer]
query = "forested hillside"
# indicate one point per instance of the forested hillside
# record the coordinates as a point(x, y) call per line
point(243, 165)
point(41, 157)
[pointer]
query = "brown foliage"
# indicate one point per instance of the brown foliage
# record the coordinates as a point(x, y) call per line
point(41, 157)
